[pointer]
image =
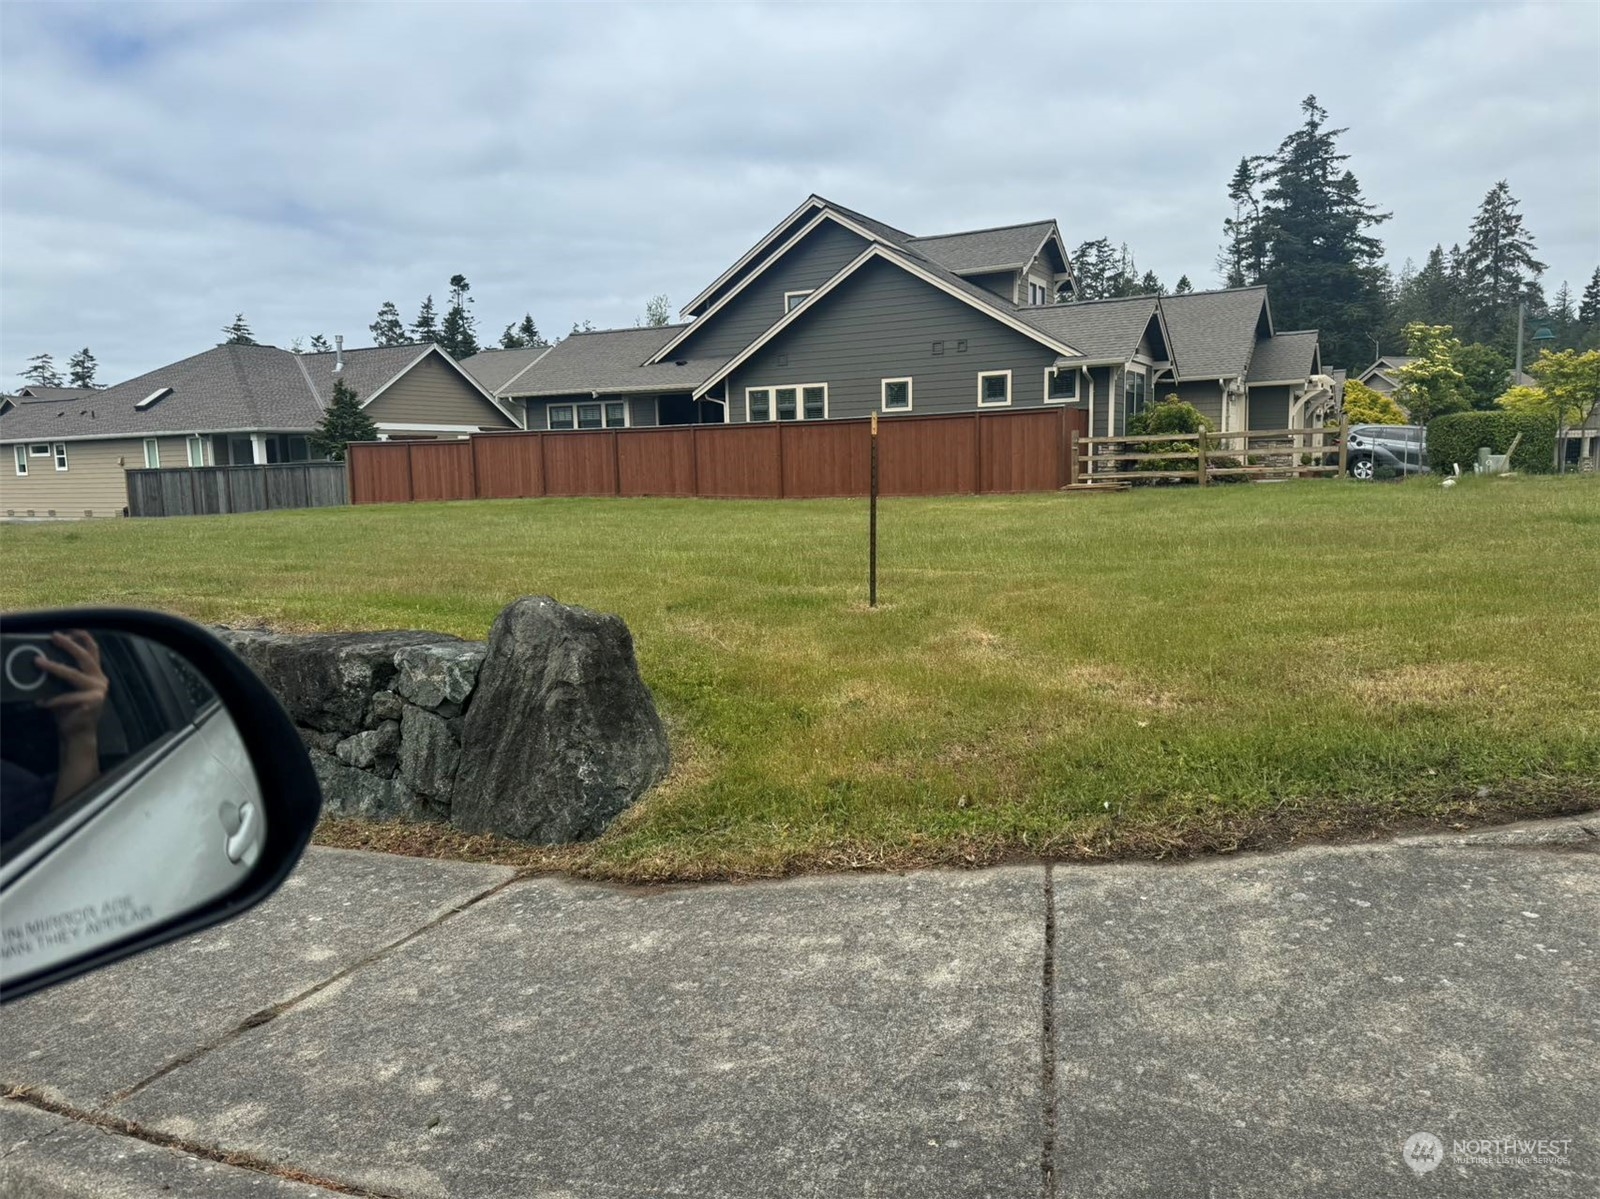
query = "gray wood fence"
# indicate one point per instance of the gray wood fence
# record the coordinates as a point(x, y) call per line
point(203, 490)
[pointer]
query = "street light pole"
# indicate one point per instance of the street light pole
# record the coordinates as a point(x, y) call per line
point(1522, 316)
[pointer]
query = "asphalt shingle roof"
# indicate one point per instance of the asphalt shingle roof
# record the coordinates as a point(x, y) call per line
point(1012, 246)
point(609, 361)
point(365, 370)
point(1101, 330)
point(1283, 356)
point(493, 369)
point(1213, 333)
point(35, 392)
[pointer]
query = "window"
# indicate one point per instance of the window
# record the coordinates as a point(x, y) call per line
point(897, 395)
point(561, 416)
point(803, 401)
point(61, 455)
point(1061, 385)
point(616, 414)
point(152, 453)
point(1038, 293)
point(39, 450)
point(197, 451)
point(793, 300)
point(1133, 392)
point(589, 416)
point(22, 459)
point(994, 389)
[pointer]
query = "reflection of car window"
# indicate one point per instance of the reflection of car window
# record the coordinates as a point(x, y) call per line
point(193, 692)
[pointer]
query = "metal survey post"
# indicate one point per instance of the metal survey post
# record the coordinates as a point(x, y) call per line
point(872, 522)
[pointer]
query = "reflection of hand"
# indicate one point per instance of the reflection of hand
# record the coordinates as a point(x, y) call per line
point(77, 711)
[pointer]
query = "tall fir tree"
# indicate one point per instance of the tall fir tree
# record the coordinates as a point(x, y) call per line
point(1242, 258)
point(41, 371)
point(425, 328)
point(1563, 318)
point(238, 332)
point(1321, 262)
point(1184, 287)
point(523, 334)
point(320, 344)
point(81, 368)
point(1499, 270)
point(388, 330)
point(459, 334)
point(1589, 306)
point(344, 421)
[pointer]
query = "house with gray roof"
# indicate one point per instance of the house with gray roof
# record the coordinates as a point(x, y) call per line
point(66, 455)
point(1383, 376)
point(833, 314)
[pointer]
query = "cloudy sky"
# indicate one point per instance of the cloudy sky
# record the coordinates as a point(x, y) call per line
point(162, 168)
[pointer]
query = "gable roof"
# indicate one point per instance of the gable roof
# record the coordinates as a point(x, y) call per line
point(495, 369)
point(1388, 367)
point(608, 362)
point(34, 392)
point(1213, 334)
point(1106, 331)
point(1009, 247)
point(1284, 358)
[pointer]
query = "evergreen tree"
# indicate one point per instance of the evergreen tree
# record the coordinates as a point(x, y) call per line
point(1485, 371)
point(1563, 318)
point(1428, 297)
point(1150, 285)
point(522, 334)
point(1184, 287)
point(238, 333)
point(1243, 255)
point(344, 421)
point(297, 345)
point(425, 328)
point(42, 371)
point(586, 327)
point(320, 344)
point(388, 330)
point(1320, 261)
point(658, 312)
point(1096, 265)
point(1499, 268)
point(459, 333)
point(1589, 306)
point(81, 368)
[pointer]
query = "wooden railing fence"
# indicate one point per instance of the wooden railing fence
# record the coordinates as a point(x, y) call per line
point(1206, 457)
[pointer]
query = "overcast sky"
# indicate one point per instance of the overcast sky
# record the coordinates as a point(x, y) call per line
point(162, 168)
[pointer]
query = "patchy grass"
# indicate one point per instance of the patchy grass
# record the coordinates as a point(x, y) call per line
point(1159, 672)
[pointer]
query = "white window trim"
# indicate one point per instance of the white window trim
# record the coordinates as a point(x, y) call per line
point(152, 454)
point(883, 394)
point(549, 418)
point(39, 449)
point(1005, 403)
point(1051, 372)
point(772, 404)
point(60, 450)
point(627, 412)
point(21, 457)
point(787, 307)
point(192, 443)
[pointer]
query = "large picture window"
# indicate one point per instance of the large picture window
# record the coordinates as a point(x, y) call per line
point(994, 389)
point(1061, 385)
point(802, 401)
point(897, 395)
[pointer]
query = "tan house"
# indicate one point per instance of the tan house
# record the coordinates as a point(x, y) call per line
point(65, 455)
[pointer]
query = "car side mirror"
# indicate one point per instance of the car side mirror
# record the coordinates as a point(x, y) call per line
point(150, 787)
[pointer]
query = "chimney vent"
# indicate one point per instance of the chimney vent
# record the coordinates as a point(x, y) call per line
point(338, 351)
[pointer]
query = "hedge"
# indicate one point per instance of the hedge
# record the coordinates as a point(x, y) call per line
point(1457, 436)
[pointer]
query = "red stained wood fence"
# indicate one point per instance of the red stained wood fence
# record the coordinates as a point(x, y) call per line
point(963, 454)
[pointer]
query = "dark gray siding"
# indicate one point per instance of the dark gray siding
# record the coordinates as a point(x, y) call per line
point(881, 324)
point(1205, 396)
point(788, 231)
point(1101, 375)
point(827, 250)
point(641, 409)
point(1269, 408)
point(1002, 283)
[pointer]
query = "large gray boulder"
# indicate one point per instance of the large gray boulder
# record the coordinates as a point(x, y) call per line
point(326, 680)
point(562, 734)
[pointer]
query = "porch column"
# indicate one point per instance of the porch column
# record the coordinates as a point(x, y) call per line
point(258, 448)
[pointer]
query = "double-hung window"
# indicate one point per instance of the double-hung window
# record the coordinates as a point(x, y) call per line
point(561, 416)
point(60, 449)
point(994, 389)
point(802, 401)
point(197, 451)
point(152, 453)
point(1134, 384)
point(1061, 385)
point(897, 395)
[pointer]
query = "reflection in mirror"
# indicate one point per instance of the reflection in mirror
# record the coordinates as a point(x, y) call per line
point(126, 795)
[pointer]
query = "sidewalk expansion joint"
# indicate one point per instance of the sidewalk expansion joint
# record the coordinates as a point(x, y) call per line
point(268, 1014)
point(241, 1161)
point(1047, 1046)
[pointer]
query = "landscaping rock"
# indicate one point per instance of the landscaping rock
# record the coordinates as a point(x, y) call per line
point(326, 680)
point(429, 753)
point(386, 705)
point(365, 748)
point(434, 675)
point(562, 735)
point(349, 791)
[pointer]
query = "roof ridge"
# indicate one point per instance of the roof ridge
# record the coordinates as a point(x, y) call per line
point(988, 229)
point(1215, 291)
point(299, 360)
point(1150, 297)
point(621, 329)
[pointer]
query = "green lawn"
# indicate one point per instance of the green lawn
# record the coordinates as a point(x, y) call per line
point(1159, 671)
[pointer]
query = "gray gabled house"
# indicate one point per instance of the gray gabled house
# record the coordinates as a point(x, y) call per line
point(833, 314)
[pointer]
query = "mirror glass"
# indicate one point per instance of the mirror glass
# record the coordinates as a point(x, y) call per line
point(127, 797)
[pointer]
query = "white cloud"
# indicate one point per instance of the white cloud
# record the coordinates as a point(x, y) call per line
point(165, 167)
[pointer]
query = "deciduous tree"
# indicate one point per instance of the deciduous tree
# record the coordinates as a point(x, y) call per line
point(1431, 384)
point(1364, 406)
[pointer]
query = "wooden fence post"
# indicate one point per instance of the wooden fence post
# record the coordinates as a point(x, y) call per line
point(694, 462)
point(1072, 460)
point(616, 463)
point(1344, 447)
point(1200, 458)
point(977, 453)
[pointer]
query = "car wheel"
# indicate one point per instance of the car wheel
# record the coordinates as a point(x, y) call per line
point(1363, 469)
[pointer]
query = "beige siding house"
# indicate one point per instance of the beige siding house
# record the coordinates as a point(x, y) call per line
point(64, 453)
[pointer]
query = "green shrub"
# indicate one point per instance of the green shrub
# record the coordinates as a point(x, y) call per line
point(1455, 438)
point(1171, 415)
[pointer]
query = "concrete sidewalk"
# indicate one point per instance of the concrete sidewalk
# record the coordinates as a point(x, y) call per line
point(1273, 1025)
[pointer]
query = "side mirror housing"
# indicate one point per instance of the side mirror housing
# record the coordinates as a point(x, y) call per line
point(150, 787)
